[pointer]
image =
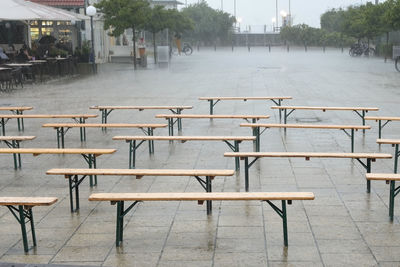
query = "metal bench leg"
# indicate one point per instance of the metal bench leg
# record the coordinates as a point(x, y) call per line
point(171, 126)
point(60, 136)
point(396, 157)
point(352, 140)
point(151, 142)
point(237, 159)
point(23, 227)
point(82, 130)
point(20, 121)
point(74, 183)
point(120, 220)
point(368, 171)
point(282, 213)
point(208, 189)
point(3, 126)
point(211, 107)
point(246, 173)
point(391, 199)
point(132, 154)
point(380, 129)
point(179, 111)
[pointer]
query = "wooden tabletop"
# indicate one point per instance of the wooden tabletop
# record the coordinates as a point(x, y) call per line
point(383, 176)
point(16, 138)
point(15, 108)
point(308, 155)
point(324, 108)
point(313, 126)
point(202, 196)
point(245, 98)
point(377, 118)
point(141, 172)
point(187, 138)
point(39, 151)
point(19, 64)
point(141, 107)
point(388, 141)
point(48, 116)
point(106, 125)
point(28, 201)
point(37, 61)
point(207, 116)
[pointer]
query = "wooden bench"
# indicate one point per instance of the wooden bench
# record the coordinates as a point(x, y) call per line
point(171, 118)
point(360, 111)
point(14, 142)
point(74, 181)
point(276, 99)
point(61, 131)
point(133, 146)
point(394, 191)
point(395, 143)
point(79, 118)
point(370, 157)
point(88, 154)
point(256, 130)
point(106, 110)
point(120, 198)
point(17, 111)
point(379, 120)
point(21, 209)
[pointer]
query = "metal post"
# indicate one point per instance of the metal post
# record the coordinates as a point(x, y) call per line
point(363, 120)
point(284, 219)
point(280, 110)
point(151, 142)
point(14, 155)
point(211, 108)
point(246, 173)
point(380, 129)
point(179, 111)
point(23, 228)
point(93, 52)
point(171, 126)
point(237, 159)
point(32, 227)
point(120, 222)
point(352, 140)
point(62, 137)
point(71, 202)
point(208, 189)
point(132, 154)
point(391, 199)
point(3, 126)
point(76, 182)
point(368, 171)
point(285, 116)
point(90, 166)
point(396, 157)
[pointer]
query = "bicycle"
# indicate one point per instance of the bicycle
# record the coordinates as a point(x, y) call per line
point(186, 49)
point(359, 49)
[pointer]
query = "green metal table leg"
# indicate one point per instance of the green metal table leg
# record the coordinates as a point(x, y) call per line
point(352, 140)
point(284, 219)
point(211, 106)
point(20, 120)
point(89, 161)
point(82, 129)
point(32, 227)
point(363, 120)
point(396, 157)
point(132, 154)
point(151, 142)
point(94, 167)
point(258, 139)
point(369, 171)
point(179, 111)
point(15, 155)
point(23, 227)
point(3, 126)
point(171, 126)
point(62, 137)
point(208, 189)
point(120, 222)
point(391, 199)
point(380, 129)
point(285, 116)
point(246, 173)
point(237, 159)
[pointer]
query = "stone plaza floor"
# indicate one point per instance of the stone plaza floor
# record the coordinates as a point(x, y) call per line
point(343, 226)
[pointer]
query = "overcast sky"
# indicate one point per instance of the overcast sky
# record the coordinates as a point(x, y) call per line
point(261, 12)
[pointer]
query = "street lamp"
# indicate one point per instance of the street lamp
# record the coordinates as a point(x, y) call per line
point(91, 11)
point(284, 15)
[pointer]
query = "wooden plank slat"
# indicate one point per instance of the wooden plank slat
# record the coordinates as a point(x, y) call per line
point(377, 118)
point(39, 151)
point(16, 108)
point(48, 116)
point(201, 196)
point(305, 126)
point(28, 201)
point(388, 141)
point(16, 138)
point(141, 172)
point(107, 125)
point(207, 116)
point(308, 155)
point(141, 107)
point(383, 176)
point(244, 98)
point(324, 108)
point(187, 138)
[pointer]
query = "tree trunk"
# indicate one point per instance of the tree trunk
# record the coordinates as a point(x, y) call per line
point(154, 48)
point(134, 46)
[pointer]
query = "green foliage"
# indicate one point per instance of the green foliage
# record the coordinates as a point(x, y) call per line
point(209, 24)
point(83, 53)
point(120, 15)
point(304, 35)
point(332, 20)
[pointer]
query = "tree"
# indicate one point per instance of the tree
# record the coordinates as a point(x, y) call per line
point(332, 20)
point(156, 21)
point(120, 15)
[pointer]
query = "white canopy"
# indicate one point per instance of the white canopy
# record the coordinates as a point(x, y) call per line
point(25, 10)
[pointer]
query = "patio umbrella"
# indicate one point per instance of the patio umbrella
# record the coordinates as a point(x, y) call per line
point(25, 10)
